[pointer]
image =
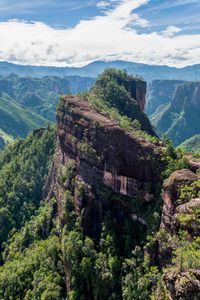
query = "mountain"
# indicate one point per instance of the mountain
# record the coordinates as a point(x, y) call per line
point(81, 210)
point(41, 95)
point(149, 72)
point(16, 120)
point(28, 103)
point(160, 93)
point(178, 109)
point(192, 144)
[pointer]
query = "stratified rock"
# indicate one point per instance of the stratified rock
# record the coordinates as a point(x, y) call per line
point(107, 158)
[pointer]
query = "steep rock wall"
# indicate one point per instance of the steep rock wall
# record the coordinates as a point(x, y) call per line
point(105, 158)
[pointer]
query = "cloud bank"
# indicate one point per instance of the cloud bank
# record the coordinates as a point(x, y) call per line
point(112, 35)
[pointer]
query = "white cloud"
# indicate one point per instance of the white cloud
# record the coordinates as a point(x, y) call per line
point(113, 35)
point(103, 4)
point(171, 30)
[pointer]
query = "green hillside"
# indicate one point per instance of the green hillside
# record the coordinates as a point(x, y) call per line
point(15, 120)
point(192, 144)
point(80, 219)
point(41, 95)
point(178, 118)
point(4, 139)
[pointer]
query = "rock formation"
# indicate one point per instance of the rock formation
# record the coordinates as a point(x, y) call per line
point(105, 157)
point(138, 90)
point(171, 193)
point(181, 276)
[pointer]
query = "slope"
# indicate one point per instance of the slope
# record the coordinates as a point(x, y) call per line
point(16, 120)
point(192, 144)
point(179, 119)
point(41, 95)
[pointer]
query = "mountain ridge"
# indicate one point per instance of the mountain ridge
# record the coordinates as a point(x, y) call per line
point(93, 69)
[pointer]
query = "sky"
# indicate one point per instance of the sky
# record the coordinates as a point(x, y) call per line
point(77, 32)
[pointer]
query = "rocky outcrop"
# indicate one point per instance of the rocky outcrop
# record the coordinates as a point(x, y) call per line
point(181, 277)
point(171, 193)
point(138, 90)
point(106, 158)
point(183, 285)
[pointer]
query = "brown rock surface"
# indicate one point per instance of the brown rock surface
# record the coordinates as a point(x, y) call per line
point(106, 157)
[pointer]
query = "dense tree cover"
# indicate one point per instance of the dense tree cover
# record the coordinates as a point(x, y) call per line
point(174, 159)
point(33, 266)
point(41, 258)
point(45, 252)
point(111, 94)
point(23, 168)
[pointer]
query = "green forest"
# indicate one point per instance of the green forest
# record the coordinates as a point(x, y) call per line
point(45, 252)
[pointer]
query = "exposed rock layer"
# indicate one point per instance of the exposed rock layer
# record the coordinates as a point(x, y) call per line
point(106, 157)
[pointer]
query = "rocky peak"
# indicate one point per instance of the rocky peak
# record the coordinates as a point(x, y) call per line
point(106, 157)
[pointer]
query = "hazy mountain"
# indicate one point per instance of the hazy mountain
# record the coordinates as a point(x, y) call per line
point(160, 92)
point(149, 72)
point(178, 109)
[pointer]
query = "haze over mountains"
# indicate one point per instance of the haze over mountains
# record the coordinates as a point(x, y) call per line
point(100, 150)
point(149, 72)
point(174, 109)
point(170, 114)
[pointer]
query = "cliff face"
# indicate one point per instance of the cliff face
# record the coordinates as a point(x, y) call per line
point(160, 92)
point(105, 157)
point(171, 194)
point(138, 90)
point(177, 243)
point(186, 96)
point(179, 117)
point(110, 172)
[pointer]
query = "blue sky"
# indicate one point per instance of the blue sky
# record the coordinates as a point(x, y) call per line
point(49, 32)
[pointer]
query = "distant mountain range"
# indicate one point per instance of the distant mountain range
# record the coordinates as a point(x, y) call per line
point(148, 72)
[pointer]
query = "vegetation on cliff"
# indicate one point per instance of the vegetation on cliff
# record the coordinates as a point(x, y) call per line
point(115, 94)
point(23, 169)
point(81, 220)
